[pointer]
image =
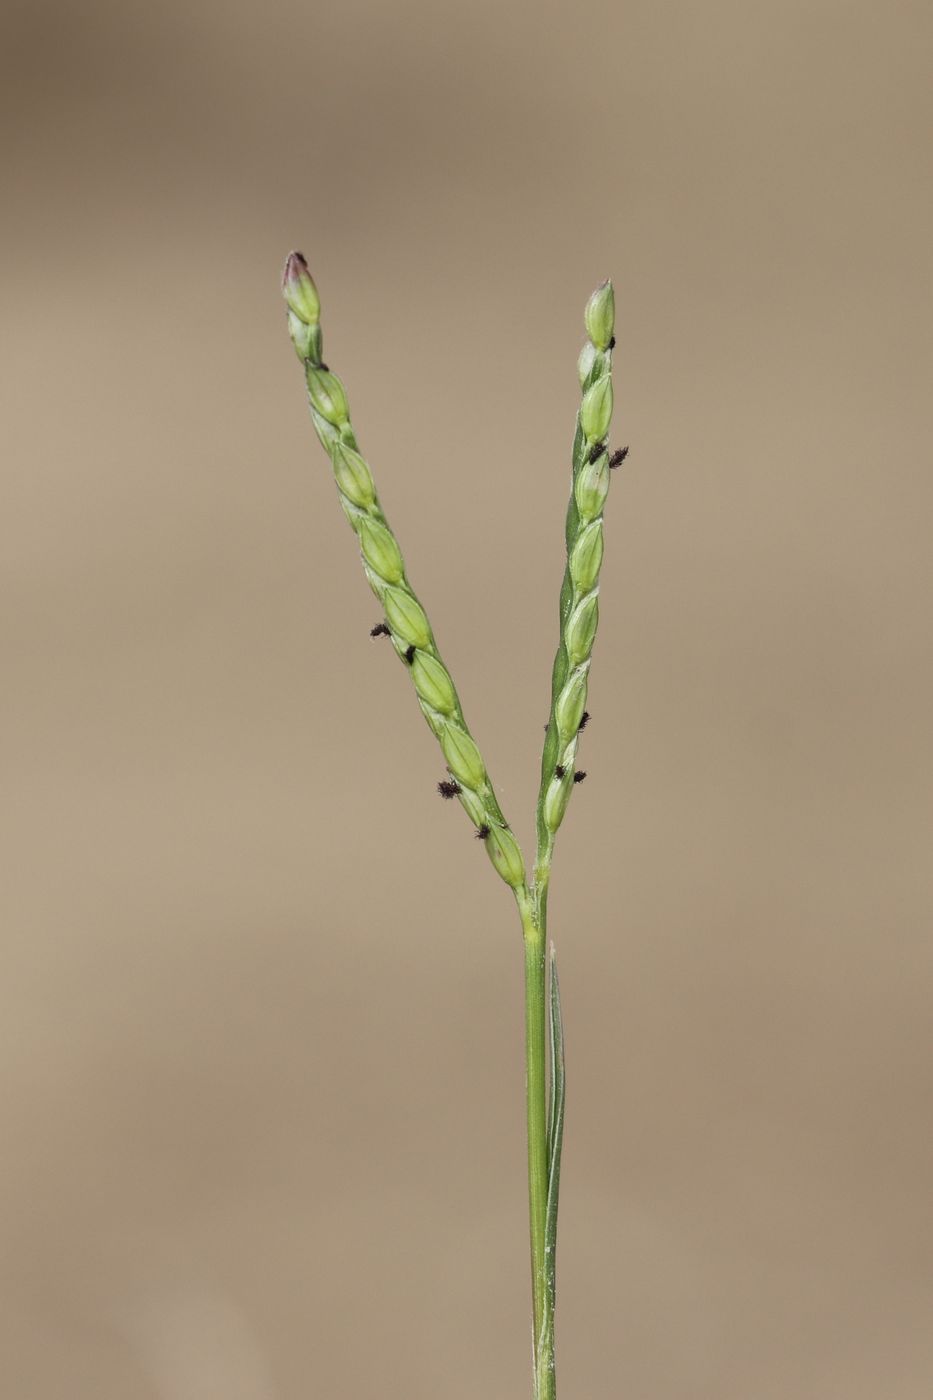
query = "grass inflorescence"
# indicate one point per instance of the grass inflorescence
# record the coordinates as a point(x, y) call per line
point(405, 623)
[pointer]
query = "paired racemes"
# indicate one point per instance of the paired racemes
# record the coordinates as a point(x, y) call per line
point(405, 624)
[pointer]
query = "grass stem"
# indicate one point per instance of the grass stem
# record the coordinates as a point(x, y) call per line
point(536, 1054)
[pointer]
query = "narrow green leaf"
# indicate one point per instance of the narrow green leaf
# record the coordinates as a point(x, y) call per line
point(555, 1128)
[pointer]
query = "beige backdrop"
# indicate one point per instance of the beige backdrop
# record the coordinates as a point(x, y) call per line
point(260, 1010)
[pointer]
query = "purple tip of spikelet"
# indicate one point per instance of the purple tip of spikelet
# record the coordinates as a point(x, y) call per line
point(299, 290)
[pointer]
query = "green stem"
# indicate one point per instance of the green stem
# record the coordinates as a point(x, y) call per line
point(536, 1049)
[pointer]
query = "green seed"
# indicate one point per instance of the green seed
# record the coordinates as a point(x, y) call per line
point(600, 316)
point(304, 337)
point(581, 629)
point(328, 396)
point(433, 683)
point(354, 479)
point(463, 757)
point(474, 807)
point(592, 487)
point(299, 290)
point(569, 707)
point(380, 551)
point(555, 801)
point(586, 557)
point(503, 851)
point(406, 617)
point(596, 410)
point(585, 362)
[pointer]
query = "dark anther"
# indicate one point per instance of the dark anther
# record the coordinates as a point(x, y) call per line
point(410, 654)
point(482, 832)
point(449, 790)
point(579, 776)
point(618, 458)
point(612, 343)
point(559, 771)
point(381, 629)
point(584, 720)
point(596, 451)
point(322, 366)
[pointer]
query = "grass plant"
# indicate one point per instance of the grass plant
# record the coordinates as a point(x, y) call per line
point(407, 627)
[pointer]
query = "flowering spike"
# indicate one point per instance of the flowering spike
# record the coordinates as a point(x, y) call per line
point(579, 599)
point(406, 621)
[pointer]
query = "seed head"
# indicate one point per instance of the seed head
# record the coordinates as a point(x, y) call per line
point(592, 469)
point(405, 620)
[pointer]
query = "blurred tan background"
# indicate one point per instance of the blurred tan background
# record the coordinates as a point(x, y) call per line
point(260, 1010)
